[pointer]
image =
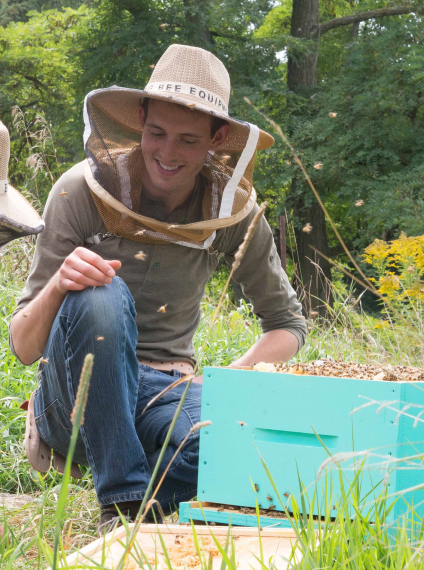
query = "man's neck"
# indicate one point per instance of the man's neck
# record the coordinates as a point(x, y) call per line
point(172, 199)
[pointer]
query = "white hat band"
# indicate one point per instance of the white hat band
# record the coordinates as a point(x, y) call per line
point(3, 186)
point(188, 89)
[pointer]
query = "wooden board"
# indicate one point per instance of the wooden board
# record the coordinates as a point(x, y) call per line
point(225, 514)
point(275, 416)
point(276, 543)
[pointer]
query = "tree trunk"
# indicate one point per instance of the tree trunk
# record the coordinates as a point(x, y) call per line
point(313, 274)
point(301, 66)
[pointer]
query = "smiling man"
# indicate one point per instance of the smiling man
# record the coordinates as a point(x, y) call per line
point(131, 237)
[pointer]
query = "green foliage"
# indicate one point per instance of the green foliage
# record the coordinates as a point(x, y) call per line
point(38, 75)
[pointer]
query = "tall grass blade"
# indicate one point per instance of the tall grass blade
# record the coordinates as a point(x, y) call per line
point(77, 419)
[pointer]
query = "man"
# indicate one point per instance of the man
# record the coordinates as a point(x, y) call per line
point(131, 239)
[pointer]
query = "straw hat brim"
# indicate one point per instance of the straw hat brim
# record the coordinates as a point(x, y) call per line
point(18, 217)
point(122, 105)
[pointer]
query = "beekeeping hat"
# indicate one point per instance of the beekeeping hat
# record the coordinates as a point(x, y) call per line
point(196, 79)
point(17, 217)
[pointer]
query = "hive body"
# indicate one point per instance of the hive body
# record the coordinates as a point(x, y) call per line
point(275, 415)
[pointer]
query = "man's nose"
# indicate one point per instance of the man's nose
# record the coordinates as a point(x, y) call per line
point(169, 150)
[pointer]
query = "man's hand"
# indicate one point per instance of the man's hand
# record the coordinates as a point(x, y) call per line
point(84, 268)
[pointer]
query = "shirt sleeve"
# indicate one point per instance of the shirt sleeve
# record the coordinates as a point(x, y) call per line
point(68, 222)
point(263, 281)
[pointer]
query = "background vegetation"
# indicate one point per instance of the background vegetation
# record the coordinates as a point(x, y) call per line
point(346, 87)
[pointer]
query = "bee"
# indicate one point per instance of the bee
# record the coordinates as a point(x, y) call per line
point(140, 233)
point(63, 193)
point(256, 487)
point(332, 115)
point(162, 309)
point(25, 315)
point(140, 255)
point(318, 165)
point(286, 495)
point(242, 423)
point(307, 228)
point(100, 337)
point(269, 498)
point(271, 507)
point(152, 66)
point(45, 360)
point(359, 203)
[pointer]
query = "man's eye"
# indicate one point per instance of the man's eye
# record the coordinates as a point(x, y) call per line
point(189, 142)
point(157, 134)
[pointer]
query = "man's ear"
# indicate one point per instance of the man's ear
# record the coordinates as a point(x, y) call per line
point(220, 137)
point(142, 115)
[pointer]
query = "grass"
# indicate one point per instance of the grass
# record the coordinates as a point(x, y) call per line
point(350, 334)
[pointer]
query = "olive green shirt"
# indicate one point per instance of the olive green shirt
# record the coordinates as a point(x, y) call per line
point(172, 275)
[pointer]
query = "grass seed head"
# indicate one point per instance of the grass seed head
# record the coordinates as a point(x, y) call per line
point(199, 425)
point(82, 392)
point(248, 237)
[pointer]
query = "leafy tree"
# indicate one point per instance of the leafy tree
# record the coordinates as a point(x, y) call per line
point(38, 75)
point(364, 91)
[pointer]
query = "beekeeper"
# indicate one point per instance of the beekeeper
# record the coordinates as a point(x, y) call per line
point(132, 235)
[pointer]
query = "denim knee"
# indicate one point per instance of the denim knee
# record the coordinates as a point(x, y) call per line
point(95, 307)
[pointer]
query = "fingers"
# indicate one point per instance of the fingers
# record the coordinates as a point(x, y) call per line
point(92, 274)
point(115, 263)
point(95, 260)
point(84, 268)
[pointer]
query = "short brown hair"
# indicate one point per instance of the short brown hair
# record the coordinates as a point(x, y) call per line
point(216, 122)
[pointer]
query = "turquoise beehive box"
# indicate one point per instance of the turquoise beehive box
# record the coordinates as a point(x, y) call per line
point(276, 415)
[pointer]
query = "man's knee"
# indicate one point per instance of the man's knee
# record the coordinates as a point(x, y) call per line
point(105, 305)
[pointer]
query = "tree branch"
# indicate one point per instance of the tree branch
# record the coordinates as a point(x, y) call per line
point(362, 16)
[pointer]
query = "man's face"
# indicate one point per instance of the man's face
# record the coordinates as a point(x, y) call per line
point(175, 143)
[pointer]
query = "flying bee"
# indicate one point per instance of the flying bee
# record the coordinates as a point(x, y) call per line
point(162, 309)
point(45, 360)
point(63, 193)
point(140, 255)
point(100, 337)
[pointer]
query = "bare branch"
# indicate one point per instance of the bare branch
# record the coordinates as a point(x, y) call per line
point(370, 14)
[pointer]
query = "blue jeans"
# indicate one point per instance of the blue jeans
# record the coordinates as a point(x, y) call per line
point(118, 442)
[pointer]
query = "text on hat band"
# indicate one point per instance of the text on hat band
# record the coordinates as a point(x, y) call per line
point(188, 89)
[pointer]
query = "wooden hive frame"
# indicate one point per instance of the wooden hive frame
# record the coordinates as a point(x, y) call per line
point(276, 543)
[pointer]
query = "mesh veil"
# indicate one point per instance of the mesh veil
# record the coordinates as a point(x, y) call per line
point(115, 172)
